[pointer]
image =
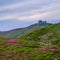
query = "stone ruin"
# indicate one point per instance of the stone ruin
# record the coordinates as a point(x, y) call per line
point(42, 22)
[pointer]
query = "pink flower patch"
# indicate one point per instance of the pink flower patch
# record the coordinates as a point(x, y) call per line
point(45, 49)
point(1, 56)
point(52, 49)
point(1, 37)
point(11, 41)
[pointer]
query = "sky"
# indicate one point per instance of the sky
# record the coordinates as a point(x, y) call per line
point(22, 13)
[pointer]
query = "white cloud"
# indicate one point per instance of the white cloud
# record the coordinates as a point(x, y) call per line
point(50, 11)
point(23, 4)
point(46, 15)
point(13, 6)
point(19, 4)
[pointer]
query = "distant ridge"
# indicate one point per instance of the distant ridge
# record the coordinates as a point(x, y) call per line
point(20, 31)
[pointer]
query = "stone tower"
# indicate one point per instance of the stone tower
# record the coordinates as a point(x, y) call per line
point(40, 22)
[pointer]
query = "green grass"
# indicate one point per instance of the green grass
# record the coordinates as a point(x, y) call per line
point(28, 46)
point(50, 33)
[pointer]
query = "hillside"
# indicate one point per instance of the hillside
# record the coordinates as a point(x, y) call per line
point(40, 44)
point(48, 34)
point(20, 31)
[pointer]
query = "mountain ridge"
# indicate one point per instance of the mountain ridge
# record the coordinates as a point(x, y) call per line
point(20, 31)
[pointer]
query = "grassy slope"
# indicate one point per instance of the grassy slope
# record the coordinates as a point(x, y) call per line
point(49, 33)
point(29, 49)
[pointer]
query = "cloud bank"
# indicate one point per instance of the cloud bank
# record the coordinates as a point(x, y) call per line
point(30, 10)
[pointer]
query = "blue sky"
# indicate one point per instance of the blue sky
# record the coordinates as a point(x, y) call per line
point(22, 13)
